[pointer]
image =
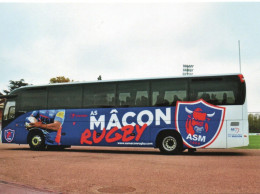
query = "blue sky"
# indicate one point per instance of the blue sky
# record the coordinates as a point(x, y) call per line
point(81, 41)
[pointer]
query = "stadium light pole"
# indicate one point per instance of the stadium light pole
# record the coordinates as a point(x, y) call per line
point(187, 69)
point(239, 56)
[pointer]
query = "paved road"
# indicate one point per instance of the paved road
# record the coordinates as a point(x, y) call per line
point(129, 170)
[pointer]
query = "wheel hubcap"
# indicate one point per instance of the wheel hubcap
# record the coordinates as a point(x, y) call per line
point(36, 140)
point(169, 143)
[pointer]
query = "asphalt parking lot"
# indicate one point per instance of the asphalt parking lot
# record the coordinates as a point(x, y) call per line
point(128, 170)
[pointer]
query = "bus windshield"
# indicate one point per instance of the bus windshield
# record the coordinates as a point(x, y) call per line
point(9, 111)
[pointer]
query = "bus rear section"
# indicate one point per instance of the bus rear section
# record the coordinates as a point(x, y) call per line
point(229, 94)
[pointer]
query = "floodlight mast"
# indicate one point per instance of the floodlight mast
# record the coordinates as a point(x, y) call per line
point(239, 56)
point(187, 69)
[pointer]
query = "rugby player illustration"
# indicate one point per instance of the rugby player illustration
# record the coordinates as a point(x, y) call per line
point(50, 121)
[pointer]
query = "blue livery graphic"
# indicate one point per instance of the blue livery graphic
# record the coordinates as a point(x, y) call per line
point(51, 120)
point(199, 122)
point(49, 116)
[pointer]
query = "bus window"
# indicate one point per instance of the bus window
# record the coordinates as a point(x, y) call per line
point(216, 91)
point(9, 112)
point(167, 92)
point(33, 99)
point(65, 97)
point(133, 94)
point(101, 95)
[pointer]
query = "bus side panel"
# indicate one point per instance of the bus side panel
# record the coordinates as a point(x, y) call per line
point(246, 132)
point(245, 124)
point(137, 126)
point(221, 140)
point(232, 132)
point(168, 123)
point(15, 132)
point(234, 126)
point(97, 127)
point(105, 127)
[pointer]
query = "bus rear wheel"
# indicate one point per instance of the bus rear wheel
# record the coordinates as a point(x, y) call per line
point(170, 144)
point(36, 141)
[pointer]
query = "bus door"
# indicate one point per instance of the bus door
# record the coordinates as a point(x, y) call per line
point(9, 113)
point(8, 117)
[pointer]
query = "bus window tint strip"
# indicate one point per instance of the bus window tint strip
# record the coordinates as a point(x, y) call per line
point(133, 94)
point(217, 91)
point(168, 92)
point(65, 97)
point(32, 99)
point(226, 90)
point(99, 95)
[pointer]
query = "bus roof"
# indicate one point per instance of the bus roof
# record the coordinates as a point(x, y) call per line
point(122, 80)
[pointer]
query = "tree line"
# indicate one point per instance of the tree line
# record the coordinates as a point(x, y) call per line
point(254, 123)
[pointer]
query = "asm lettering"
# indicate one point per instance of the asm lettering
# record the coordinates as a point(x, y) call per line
point(196, 137)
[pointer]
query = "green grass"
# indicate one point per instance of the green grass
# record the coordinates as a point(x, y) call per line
point(254, 142)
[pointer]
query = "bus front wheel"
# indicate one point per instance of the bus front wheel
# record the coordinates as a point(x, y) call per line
point(170, 144)
point(36, 140)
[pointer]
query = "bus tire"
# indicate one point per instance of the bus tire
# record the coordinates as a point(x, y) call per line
point(36, 140)
point(170, 143)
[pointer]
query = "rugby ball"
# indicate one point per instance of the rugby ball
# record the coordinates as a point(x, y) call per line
point(30, 120)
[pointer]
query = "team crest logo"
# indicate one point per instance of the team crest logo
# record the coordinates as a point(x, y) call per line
point(199, 122)
point(9, 135)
